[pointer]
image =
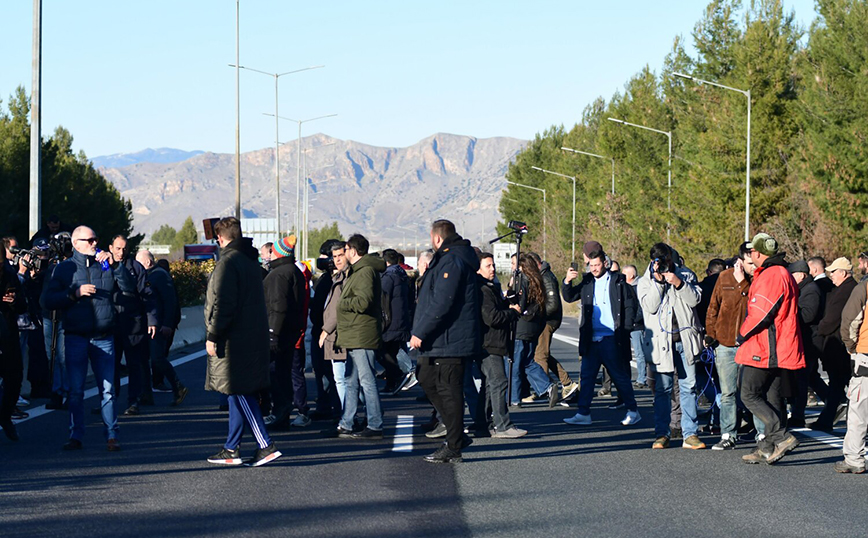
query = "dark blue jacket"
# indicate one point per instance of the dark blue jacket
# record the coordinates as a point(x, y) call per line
point(164, 300)
point(396, 285)
point(135, 310)
point(623, 300)
point(86, 316)
point(448, 316)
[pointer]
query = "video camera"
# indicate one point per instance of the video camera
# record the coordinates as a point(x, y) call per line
point(326, 264)
point(44, 253)
point(518, 226)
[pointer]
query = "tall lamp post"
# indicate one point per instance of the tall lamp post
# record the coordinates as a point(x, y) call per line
point(573, 246)
point(669, 194)
point(415, 240)
point(598, 157)
point(276, 132)
point(746, 93)
point(36, 123)
point(544, 209)
point(237, 111)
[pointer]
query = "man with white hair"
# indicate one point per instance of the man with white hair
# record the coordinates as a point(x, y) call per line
point(83, 288)
point(161, 322)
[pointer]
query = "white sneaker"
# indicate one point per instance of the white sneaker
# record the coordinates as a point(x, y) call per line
point(22, 401)
point(301, 421)
point(633, 417)
point(579, 420)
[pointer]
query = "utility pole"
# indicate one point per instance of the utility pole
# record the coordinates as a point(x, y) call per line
point(237, 113)
point(36, 123)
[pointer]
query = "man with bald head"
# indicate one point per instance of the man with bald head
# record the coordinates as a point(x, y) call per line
point(83, 287)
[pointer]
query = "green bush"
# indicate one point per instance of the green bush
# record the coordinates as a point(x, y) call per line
point(191, 280)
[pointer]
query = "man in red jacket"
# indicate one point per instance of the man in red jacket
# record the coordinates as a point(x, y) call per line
point(770, 348)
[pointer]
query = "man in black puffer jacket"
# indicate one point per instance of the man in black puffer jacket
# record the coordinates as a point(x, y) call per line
point(447, 330)
point(83, 287)
point(396, 290)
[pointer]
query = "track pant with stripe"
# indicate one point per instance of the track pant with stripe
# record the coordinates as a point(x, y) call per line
point(244, 409)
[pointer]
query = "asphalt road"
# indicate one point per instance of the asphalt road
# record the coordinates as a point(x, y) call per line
point(560, 480)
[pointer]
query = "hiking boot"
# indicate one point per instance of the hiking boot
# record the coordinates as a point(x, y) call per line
point(569, 390)
point(660, 442)
point(692, 442)
point(579, 420)
point(844, 467)
point(444, 454)
point(726, 443)
point(264, 455)
point(438, 432)
point(180, 394)
point(781, 449)
point(511, 433)
point(756, 456)
point(226, 457)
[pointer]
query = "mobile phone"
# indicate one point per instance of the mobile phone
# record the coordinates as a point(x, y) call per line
point(575, 266)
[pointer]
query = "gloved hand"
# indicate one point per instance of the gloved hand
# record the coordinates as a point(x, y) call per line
point(710, 342)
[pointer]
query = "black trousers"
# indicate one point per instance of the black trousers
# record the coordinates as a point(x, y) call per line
point(12, 372)
point(836, 362)
point(760, 390)
point(388, 359)
point(442, 379)
point(137, 351)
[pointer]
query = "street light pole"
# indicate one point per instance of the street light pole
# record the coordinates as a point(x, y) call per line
point(746, 93)
point(573, 242)
point(598, 157)
point(415, 240)
point(544, 209)
point(669, 194)
point(237, 112)
point(277, 133)
point(36, 123)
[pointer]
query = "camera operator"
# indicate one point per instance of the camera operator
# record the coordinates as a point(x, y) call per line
point(83, 288)
point(52, 227)
point(59, 249)
point(31, 274)
point(11, 365)
point(131, 331)
point(668, 293)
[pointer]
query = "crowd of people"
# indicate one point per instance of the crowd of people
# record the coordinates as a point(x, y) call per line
point(736, 355)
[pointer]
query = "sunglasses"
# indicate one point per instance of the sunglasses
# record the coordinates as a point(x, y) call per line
point(91, 240)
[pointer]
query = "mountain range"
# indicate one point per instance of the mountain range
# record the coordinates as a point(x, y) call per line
point(159, 155)
point(367, 189)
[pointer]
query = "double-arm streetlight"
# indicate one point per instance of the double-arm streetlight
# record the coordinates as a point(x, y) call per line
point(573, 247)
point(298, 164)
point(276, 130)
point(669, 195)
point(598, 157)
point(746, 93)
point(544, 208)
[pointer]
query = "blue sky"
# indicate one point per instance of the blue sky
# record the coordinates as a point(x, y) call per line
point(123, 76)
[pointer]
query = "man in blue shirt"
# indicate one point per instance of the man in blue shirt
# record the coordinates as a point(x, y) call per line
point(608, 310)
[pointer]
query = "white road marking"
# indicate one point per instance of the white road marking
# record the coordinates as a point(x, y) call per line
point(404, 434)
point(90, 393)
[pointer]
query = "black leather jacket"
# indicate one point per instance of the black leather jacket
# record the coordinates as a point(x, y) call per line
point(554, 308)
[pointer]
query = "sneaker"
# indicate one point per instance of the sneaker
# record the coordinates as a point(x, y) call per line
point(73, 444)
point(368, 433)
point(162, 387)
point(444, 454)
point(18, 414)
point(180, 394)
point(529, 399)
point(619, 404)
point(10, 430)
point(603, 393)
point(512, 433)
point(640, 386)
point(264, 455)
point(344, 433)
point(812, 400)
point(844, 467)
point(301, 421)
point(727, 442)
point(569, 390)
point(22, 401)
point(412, 382)
point(633, 417)
point(781, 449)
point(756, 456)
point(660, 442)
point(113, 445)
point(132, 411)
point(579, 420)
point(403, 383)
point(554, 395)
point(693, 442)
point(438, 432)
point(226, 457)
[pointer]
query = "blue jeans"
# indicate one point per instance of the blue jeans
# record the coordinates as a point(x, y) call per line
point(687, 396)
point(641, 342)
point(600, 353)
point(727, 374)
point(405, 362)
point(536, 376)
point(60, 381)
point(471, 393)
point(101, 353)
point(339, 368)
point(361, 374)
